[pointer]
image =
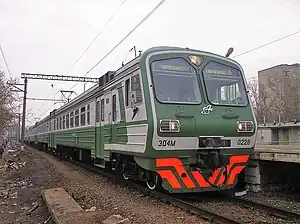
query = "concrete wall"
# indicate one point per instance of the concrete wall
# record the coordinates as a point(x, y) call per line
point(264, 136)
point(278, 135)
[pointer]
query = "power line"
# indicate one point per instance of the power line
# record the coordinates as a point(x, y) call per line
point(124, 38)
point(96, 37)
point(269, 43)
point(5, 62)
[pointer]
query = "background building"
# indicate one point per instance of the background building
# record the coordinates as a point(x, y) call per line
point(279, 92)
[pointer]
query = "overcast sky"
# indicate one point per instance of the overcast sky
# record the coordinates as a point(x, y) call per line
point(43, 36)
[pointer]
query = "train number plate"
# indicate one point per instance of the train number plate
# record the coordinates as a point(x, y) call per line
point(166, 142)
point(242, 141)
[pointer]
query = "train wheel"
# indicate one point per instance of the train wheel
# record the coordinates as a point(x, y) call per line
point(153, 182)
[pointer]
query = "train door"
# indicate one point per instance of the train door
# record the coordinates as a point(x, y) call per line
point(49, 133)
point(52, 142)
point(106, 125)
point(99, 141)
point(115, 117)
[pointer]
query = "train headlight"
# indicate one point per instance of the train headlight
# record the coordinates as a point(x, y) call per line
point(196, 60)
point(169, 126)
point(245, 126)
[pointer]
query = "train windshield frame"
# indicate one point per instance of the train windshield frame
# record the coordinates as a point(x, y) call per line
point(224, 85)
point(175, 81)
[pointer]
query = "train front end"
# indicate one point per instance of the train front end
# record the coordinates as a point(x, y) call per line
point(202, 128)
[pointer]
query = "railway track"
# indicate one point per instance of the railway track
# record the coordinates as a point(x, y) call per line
point(248, 206)
point(272, 210)
point(189, 207)
point(185, 204)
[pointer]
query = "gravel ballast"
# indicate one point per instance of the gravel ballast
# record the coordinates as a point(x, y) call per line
point(94, 192)
point(275, 199)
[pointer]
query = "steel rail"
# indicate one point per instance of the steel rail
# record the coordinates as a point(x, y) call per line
point(189, 207)
point(273, 210)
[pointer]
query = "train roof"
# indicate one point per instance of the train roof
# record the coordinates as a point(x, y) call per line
point(106, 77)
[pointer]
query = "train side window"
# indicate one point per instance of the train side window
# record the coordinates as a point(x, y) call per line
point(127, 91)
point(102, 110)
point(82, 116)
point(76, 118)
point(97, 111)
point(57, 123)
point(72, 119)
point(54, 124)
point(64, 122)
point(60, 123)
point(88, 114)
point(136, 90)
point(114, 107)
point(67, 121)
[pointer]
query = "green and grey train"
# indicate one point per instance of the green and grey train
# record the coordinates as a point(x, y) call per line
point(176, 118)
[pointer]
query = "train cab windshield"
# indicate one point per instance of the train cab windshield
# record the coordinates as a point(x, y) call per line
point(224, 85)
point(175, 81)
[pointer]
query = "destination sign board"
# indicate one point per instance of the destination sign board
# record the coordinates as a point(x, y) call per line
point(215, 68)
point(172, 68)
point(218, 71)
point(176, 65)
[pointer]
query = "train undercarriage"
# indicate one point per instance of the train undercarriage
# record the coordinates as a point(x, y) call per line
point(210, 172)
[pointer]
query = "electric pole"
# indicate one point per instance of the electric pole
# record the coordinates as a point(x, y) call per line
point(27, 76)
point(19, 127)
point(24, 114)
point(17, 89)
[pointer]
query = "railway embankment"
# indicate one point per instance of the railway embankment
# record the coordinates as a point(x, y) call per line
point(26, 174)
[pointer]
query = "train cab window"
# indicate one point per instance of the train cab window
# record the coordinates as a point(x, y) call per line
point(76, 118)
point(97, 111)
point(136, 90)
point(72, 119)
point(127, 91)
point(67, 121)
point(82, 116)
point(224, 85)
point(88, 114)
point(114, 107)
point(175, 81)
point(64, 122)
point(102, 110)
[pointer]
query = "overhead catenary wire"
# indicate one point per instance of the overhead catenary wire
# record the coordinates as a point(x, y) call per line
point(5, 62)
point(96, 37)
point(123, 39)
point(269, 43)
point(127, 35)
point(264, 45)
point(148, 15)
point(92, 42)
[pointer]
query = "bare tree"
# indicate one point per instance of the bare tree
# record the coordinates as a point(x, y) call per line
point(259, 99)
point(276, 86)
point(292, 101)
point(7, 104)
